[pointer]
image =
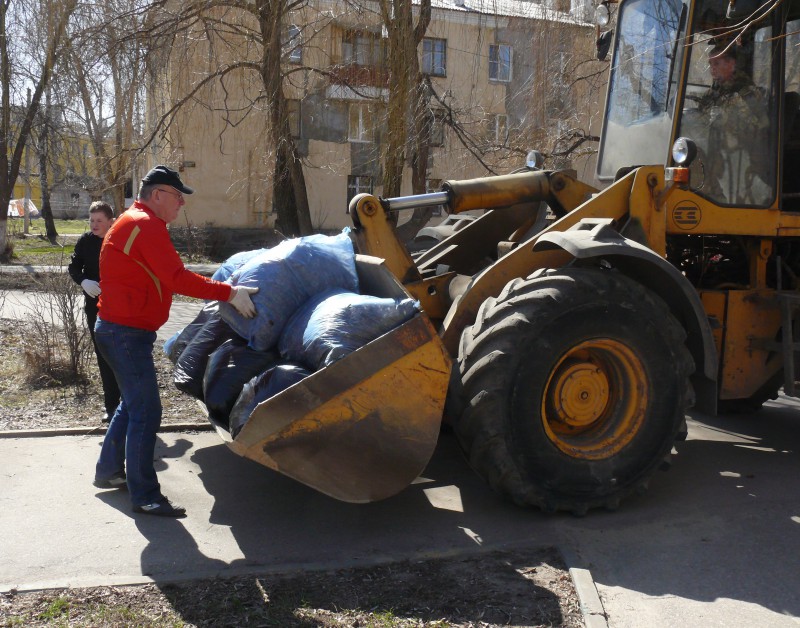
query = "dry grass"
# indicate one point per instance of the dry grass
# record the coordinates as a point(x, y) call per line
point(529, 587)
point(27, 405)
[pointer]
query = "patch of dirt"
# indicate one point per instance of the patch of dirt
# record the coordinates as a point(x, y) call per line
point(27, 408)
point(503, 588)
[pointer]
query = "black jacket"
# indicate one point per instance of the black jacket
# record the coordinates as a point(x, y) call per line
point(85, 262)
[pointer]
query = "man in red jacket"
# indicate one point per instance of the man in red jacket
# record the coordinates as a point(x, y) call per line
point(139, 272)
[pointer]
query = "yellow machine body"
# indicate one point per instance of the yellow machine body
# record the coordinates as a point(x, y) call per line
point(569, 348)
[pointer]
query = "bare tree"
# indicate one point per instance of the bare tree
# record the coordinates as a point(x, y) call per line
point(43, 150)
point(107, 68)
point(245, 39)
point(289, 186)
point(29, 49)
point(404, 84)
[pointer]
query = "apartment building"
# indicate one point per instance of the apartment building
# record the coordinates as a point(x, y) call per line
point(504, 76)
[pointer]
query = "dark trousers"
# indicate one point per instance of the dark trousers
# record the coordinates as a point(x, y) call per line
point(111, 394)
point(130, 441)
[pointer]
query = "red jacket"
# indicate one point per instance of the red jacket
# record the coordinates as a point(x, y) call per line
point(140, 270)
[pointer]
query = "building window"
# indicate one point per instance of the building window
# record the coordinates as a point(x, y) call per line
point(434, 185)
point(499, 129)
point(360, 48)
point(434, 56)
point(292, 45)
point(361, 128)
point(500, 62)
point(293, 114)
point(357, 184)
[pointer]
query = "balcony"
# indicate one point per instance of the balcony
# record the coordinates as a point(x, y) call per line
point(356, 75)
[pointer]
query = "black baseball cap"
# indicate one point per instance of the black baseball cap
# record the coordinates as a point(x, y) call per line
point(166, 176)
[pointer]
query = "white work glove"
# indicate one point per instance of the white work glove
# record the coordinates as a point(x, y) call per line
point(240, 299)
point(92, 288)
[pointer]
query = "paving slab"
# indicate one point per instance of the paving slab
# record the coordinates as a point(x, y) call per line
point(58, 530)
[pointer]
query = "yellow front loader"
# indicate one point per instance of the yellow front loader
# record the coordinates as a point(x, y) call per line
point(565, 352)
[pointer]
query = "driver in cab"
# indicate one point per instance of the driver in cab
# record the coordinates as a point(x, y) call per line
point(734, 114)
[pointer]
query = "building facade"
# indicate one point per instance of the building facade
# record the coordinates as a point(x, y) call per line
point(504, 76)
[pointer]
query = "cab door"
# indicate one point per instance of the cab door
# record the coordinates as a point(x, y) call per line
point(732, 119)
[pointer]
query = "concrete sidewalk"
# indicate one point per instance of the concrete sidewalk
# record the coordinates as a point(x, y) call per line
point(58, 530)
point(715, 542)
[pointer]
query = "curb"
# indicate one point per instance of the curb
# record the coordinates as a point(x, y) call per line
point(594, 615)
point(96, 431)
point(584, 584)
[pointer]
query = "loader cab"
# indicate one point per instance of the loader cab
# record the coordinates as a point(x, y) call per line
point(691, 69)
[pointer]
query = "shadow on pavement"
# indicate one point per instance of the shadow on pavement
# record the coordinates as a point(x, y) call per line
point(417, 542)
point(723, 524)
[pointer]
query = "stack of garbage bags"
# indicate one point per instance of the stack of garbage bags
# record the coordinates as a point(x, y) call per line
point(309, 314)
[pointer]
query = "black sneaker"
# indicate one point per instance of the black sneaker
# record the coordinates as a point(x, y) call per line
point(162, 508)
point(118, 480)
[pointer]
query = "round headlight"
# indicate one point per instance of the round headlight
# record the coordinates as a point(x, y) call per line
point(534, 160)
point(602, 16)
point(684, 151)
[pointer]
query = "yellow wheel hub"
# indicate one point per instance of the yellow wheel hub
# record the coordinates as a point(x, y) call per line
point(581, 395)
point(595, 399)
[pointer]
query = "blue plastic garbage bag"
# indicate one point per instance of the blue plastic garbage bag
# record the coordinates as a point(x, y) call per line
point(229, 368)
point(230, 265)
point(176, 343)
point(335, 323)
point(191, 366)
point(261, 388)
point(287, 275)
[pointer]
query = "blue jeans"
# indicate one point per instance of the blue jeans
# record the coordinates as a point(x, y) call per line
point(130, 441)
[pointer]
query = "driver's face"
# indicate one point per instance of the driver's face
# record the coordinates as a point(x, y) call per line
point(722, 68)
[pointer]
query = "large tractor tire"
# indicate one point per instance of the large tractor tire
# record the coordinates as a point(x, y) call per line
point(574, 384)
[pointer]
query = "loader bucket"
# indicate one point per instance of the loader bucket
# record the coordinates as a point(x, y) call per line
point(365, 427)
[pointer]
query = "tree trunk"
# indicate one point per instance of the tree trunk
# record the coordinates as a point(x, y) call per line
point(423, 125)
point(118, 194)
point(47, 211)
point(283, 198)
point(44, 181)
point(401, 49)
point(406, 82)
point(5, 253)
point(289, 196)
point(38, 78)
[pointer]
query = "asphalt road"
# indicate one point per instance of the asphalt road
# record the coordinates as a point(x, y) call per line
point(714, 542)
